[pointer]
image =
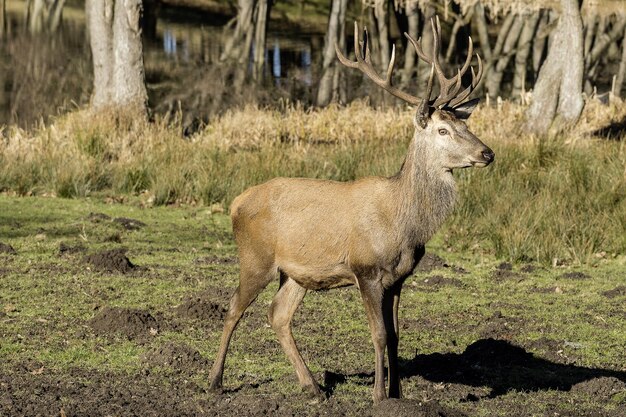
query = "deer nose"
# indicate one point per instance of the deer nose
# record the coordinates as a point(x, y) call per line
point(489, 156)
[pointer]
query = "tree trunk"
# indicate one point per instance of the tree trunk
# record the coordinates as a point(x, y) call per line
point(603, 41)
point(335, 33)
point(483, 33)
point(459, 23)
point(539, 45)
point(423, 68)
point(3, 19)
point(412, 16)
point(382, 26)
point(589, 25)
point(115, 36)
point(234, 48)
point(55, 15)
point(557, 95)
point(496, 72)
point(621, 72)
point(521, 57)
point(128, 70)
point(35, 16)
point(100, 17)
point(260, 32)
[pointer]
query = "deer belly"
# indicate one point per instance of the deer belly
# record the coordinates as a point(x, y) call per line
point(319, 277)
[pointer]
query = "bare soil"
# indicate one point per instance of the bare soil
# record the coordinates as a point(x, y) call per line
point(129, 224)
point(113, 260)
point(178, 357)
point(132, 323)
point(8, 249)
point(618, 291)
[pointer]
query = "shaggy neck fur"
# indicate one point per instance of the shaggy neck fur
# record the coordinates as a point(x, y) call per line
point(427, 192)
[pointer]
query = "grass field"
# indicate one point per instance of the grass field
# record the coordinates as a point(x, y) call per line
point(86, 333)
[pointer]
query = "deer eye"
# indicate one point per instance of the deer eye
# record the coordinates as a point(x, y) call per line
point(443, 132)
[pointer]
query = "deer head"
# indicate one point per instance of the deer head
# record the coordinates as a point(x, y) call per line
point(440, 121)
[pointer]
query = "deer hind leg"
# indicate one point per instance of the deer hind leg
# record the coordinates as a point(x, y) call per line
point(391, 303)
point(284, 305)
point(251, 283)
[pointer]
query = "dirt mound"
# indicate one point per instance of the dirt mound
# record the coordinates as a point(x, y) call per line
point(603, 387)
point(430, 262)
point(67, 249)
point(505, 266)
point(615, 292)
point(113, 260)
point(529, 268)
point(413, 408)
point(440, 281)
point(180, 358)
point(200, 307)
point(8, 249)
point(129, 224)
point(98, 217)
point(132, 323)
point(575, 275)
point(506, 274)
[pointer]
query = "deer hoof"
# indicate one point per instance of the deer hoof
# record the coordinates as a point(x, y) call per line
point(216, 388)
point(314, 393)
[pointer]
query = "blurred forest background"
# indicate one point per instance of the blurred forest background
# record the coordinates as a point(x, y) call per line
point(199, 57)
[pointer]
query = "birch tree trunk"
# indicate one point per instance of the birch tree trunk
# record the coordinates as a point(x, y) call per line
point(234, 46)
point(128, 70)
point(412, 16)
point(496, 72)
point(35, 16)
point(521, 56)
point(260, 32)
point(335, 33)
point(539, 45)
point(100, 17)
point(3, 19)
point(621, 72)
point(115, 37)
point(423, 69)
point(557, 97)
point(380, 12)
point(481, 27)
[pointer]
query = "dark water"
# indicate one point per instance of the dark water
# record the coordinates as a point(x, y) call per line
point(44, 75)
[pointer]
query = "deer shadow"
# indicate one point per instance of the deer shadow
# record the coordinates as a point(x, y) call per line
point(497, 364)
point(503, 367)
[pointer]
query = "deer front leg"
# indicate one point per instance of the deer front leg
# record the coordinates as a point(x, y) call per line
point(372, 293)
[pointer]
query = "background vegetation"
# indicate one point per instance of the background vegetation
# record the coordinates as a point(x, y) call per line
point(557, 199)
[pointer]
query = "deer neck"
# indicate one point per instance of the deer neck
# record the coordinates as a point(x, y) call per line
point(427, 192)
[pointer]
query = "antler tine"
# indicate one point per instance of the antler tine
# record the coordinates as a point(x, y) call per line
point(364, 64)
point(418, 48)
point(444, 83)
point(449, 95)
point(429, 88)
point(475, 80)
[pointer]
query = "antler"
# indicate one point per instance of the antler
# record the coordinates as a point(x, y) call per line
point(364, 64)
point(448, 87)
point(449, 95)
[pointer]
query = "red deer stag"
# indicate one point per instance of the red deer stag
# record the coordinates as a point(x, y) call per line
point(316, 234)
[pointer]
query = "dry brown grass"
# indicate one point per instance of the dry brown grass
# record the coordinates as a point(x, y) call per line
point(557, 197)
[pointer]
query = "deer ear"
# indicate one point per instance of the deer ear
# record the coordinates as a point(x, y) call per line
point(463, 111)
point(423, 113)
